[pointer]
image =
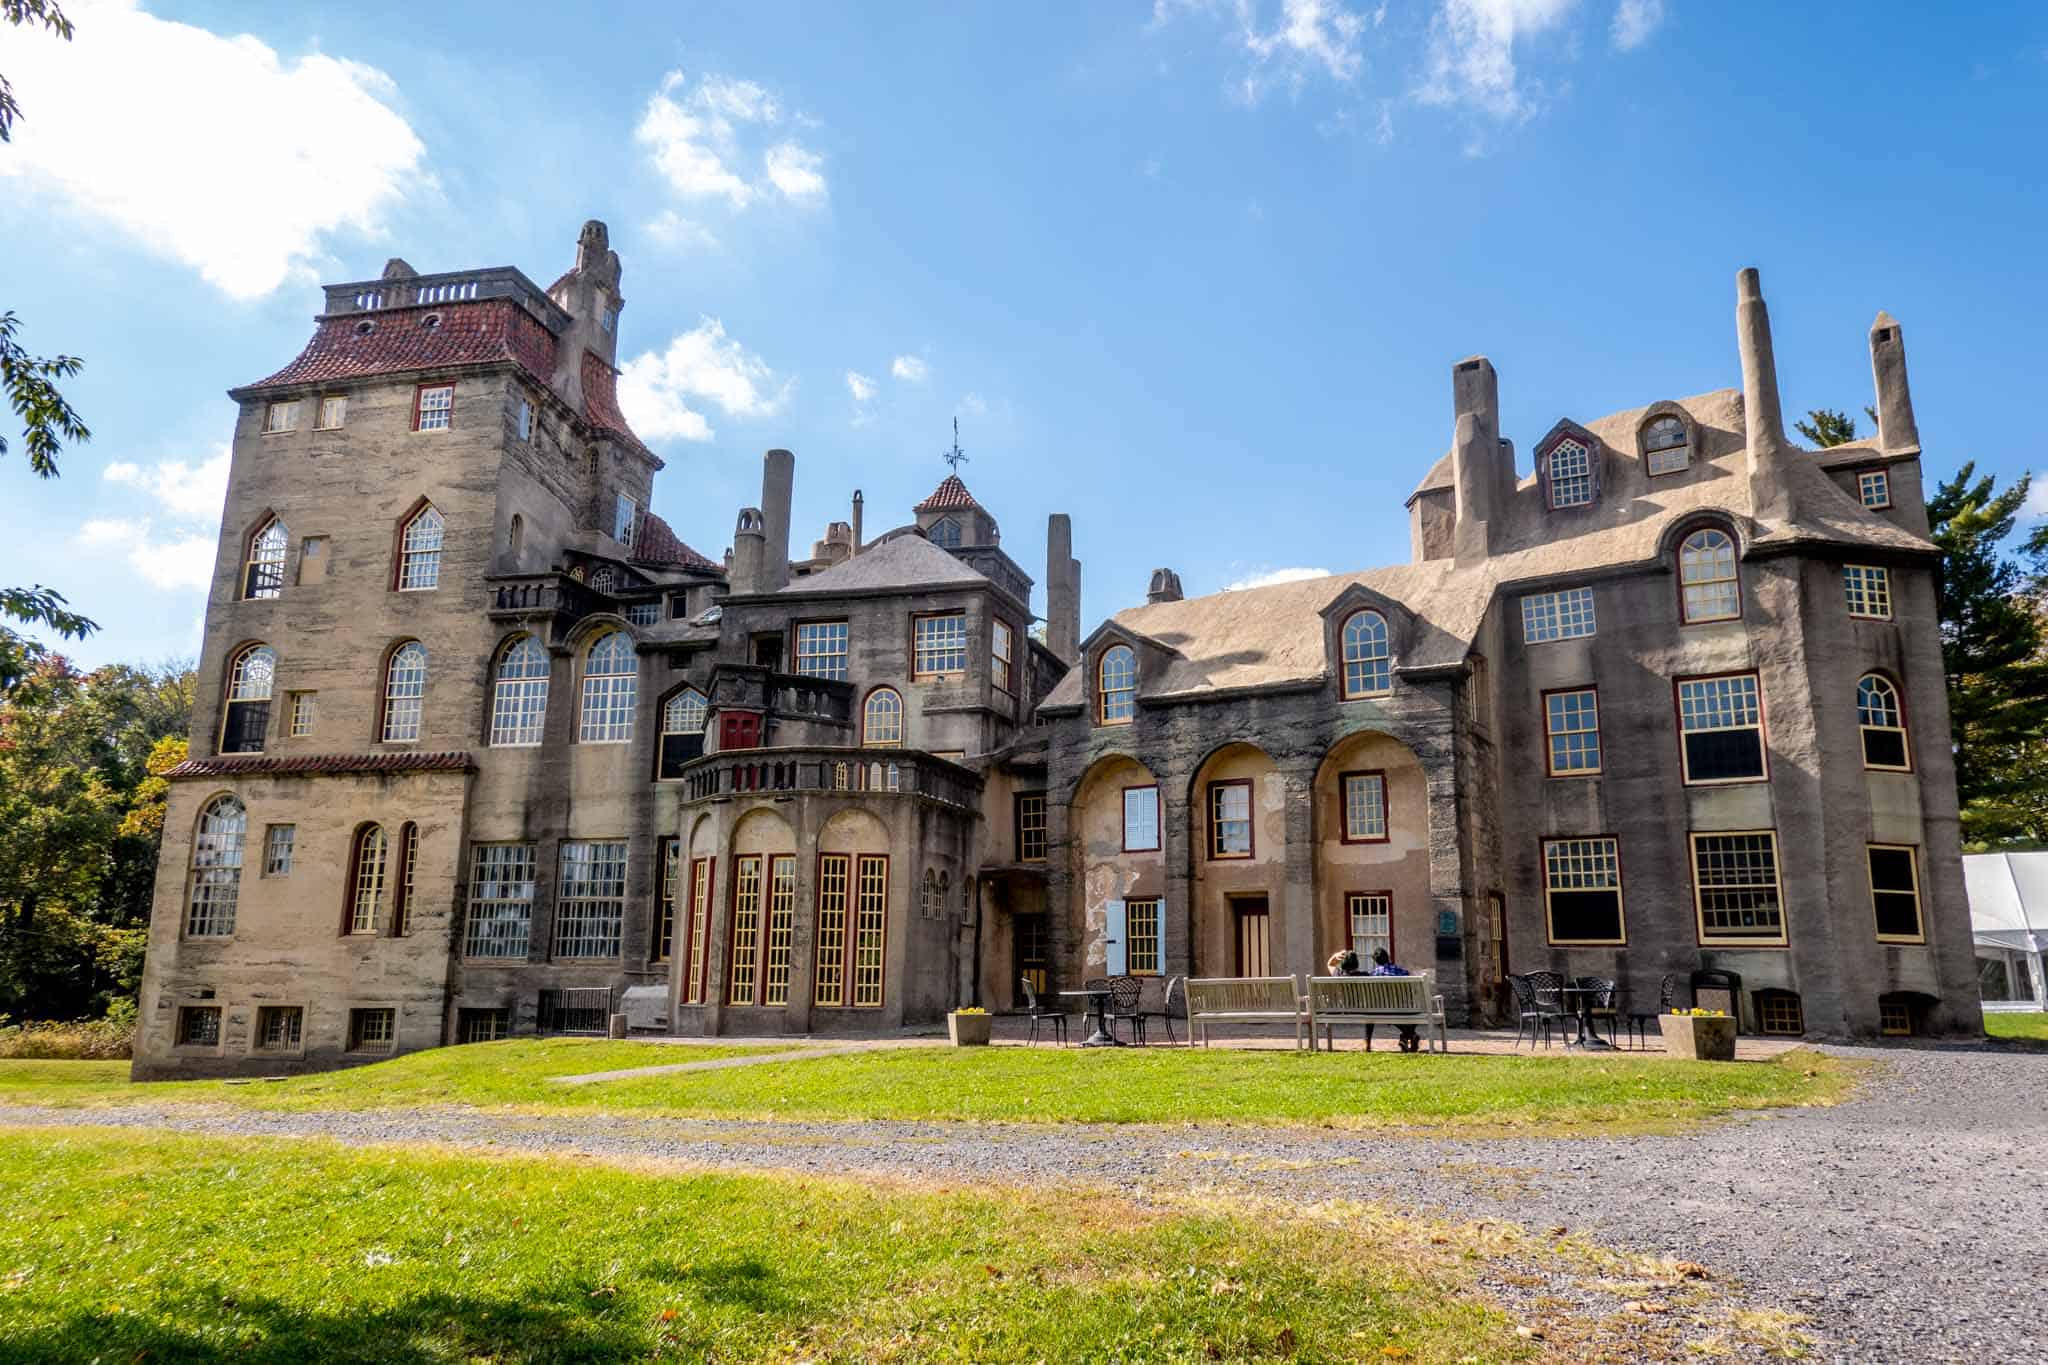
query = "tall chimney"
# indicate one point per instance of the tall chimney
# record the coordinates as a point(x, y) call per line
point(858, 504)
point(778, 475)
point(1770, 489)
point(749, 550)
point(1896, 429)
point(1062, 590)
point(1476, 456)
point(1165, 587)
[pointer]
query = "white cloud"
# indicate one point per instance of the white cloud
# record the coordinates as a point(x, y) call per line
point(172, 544)
point(673, 230)
point(1635, 21)
point(188, 492)
point(1471, 62)
point(178, 559)
point(1267, 578)
point(214, 151)
point(2036, 504)
point(860, 386)
point(705, 140)
point(1305, 38)
point(910, 369)
point(703, 365)
point(974, 405)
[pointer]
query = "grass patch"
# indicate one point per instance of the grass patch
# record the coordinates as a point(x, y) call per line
point(1347, 1089)
point(125, 1246)
point(2031, 1024)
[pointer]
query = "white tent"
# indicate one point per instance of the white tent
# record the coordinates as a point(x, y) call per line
point(2009, 917)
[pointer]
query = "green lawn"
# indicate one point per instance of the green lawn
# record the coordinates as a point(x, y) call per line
point(118, 1246)
point(2032, 1024)
point(1030, 1085)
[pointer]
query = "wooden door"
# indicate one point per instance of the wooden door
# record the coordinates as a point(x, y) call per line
point(1253, 941)
point(739, 730)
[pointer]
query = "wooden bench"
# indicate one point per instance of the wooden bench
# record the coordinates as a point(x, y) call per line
point(1372, 1000)
point(1248, 1000)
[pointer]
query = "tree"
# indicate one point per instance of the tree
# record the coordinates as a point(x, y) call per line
point(1826, 427)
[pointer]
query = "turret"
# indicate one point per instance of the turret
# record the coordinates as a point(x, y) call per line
point(1770, 488)
point(1476, 458)
point(749, 550)
point(1897, 432)
point(589, 293)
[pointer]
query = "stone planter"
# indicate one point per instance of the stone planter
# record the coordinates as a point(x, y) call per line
point(1700, 1037)
point(970, 1030)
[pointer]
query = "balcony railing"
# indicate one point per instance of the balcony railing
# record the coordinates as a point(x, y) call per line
point(550, 595)
point(750, 687)
point(465, 286)
point(830, 772)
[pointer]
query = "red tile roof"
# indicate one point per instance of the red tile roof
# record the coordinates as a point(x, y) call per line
point(657, 543)
point(245, 765)
point(601, 403)
point(948, 495)
point(487, 332)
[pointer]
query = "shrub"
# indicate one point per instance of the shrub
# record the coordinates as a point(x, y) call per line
point(108, 1039)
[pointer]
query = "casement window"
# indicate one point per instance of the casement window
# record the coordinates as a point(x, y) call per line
point(1582, 891)
point(643, 613)
point(433, 407)
point(280, 1028)
point(821, 649)
point(1665, 449)
point(304, 711)
point(366, 881)
point(1368, 661)
point(1571, 474)
point(519, 694)
point(278, 841)
point(590, 912)
point(1141, 937)
point(405, 693)
point(745, 939)
point(281, 417)
point(1230, 819)
point(216, 869)
point(1116, 685)
point(1365, 807)
point(1370, 918)
point(683, 718)
point(245, 718)
point(1895, 893)
point(1882, 719)
point(501, 888)
point(372, 1030)
point(945, 533)
point(524, 420)
point(1869, 591)
point(1708, 587)
point(881, 719)
point(625, 519)
point(1001, 648)
point(1735, 887)
point(1874, 488)
point(199, 1026)
point(611, 689)
point(939, 646)
point(669, 859)
point(419, 551)
point(1141, 819)
point(482, 1026)
point(263, 571)
point(402, 892)
point(1721, 728)
point(698, 953)
point(1030, 827)
point(1571, 727)
point(1563, 615)
point(333, 412)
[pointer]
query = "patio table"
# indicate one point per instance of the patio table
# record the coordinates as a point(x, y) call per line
point(1589, 1039)
point(1098, 1017)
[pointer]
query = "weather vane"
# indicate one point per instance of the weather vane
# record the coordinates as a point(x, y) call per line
point(956, 456)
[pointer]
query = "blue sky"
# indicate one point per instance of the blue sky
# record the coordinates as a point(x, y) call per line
point(1195, 272)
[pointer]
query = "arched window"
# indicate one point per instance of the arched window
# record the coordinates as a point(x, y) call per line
point(1116, 685)
point(602, 579)
point(682, 730)
point(946, 531)
point(1368, 663)
point(419, 551)
point(881, 720)
point(251, 677)
point(1708, 587)
point(519, 699)
point(1570, 464)
point(928, 902)
point(405, 691)
point(515, 538)
point(1664, 446)
point(1883, 721)
point(216, 869)
point(611, 689)
point(365, 881)
point(263, 573)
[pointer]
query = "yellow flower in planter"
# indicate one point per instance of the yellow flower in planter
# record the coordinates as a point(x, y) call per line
point(1697, 1013)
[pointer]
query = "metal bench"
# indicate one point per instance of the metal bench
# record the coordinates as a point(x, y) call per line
point(1248, 1000)
point(1372, 1000)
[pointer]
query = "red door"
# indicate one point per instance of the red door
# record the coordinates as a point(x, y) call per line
point(739, 730)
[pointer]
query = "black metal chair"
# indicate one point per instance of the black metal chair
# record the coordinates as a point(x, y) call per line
point(1539, 998)
point(1036, 1012)
point(1126, 995)
point(1604, 1001)
point(1638, 1021)
point(1174, 1006)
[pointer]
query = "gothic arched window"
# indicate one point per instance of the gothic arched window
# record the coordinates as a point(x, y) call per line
point(216, 869)
point(419, 551)
point(263, 571)
point(251, 677)
point(1882, 719)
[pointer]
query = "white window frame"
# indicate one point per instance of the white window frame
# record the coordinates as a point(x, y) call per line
point(1362, 797)
point(1575, 487)
point(333, 412)
point(590, 911)
point(216, 869)
point(1707, 583)
point(608, 700)
point(281, 417)
point(625, 519)
point(938, 645)
point(405, 693)
point(503, 883)
point(1369, 922)
point(419, 550)
point(269, 549)
point(1001, 652)
point(1566, 614)
point(525, 420)
point(1366, 654)
point(1143, 817)
point(304, 713)
point(1659, 460)
point(822, 648)
point(279, 844)
point(881, 719)
point(519, 694)
point(433, 407)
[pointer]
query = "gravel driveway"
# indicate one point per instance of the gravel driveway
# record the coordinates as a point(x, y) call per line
point(1907, 1224)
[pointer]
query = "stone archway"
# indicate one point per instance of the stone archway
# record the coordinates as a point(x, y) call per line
point(1244, 920)
point(1115, 859)
point(1372, 851)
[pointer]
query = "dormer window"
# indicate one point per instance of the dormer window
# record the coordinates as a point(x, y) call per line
point(1116, 685)
point(1571, 474)
point(1368, 663)
point(946, 532)
point(1666, 449)
point(1874, 488)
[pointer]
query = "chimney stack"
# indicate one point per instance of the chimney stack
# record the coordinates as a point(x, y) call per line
point(1062, 590)
point(778, 476)
point(859, 504)
point(1165, 587)
point(749, 549)
point(1897, 432)
point(1476, 456)
point(590, 295)
point(1770, 490)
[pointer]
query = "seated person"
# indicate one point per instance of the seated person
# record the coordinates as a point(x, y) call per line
point(1343, 962)
point(1383, 964)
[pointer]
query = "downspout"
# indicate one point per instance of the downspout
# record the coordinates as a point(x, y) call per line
point(975, 998)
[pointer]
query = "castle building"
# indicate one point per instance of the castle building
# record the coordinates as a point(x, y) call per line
point(483, 748)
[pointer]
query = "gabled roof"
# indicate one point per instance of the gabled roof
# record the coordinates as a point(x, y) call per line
point(907, 561)
point(950, 495)
point(657, 543)
point(487, 332)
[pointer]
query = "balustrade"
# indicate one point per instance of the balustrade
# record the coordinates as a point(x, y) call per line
point(829, 771)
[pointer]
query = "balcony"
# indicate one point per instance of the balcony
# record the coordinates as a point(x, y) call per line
point(790, 696)
point(461, 286)
point(556, 598)
point(830, 772)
